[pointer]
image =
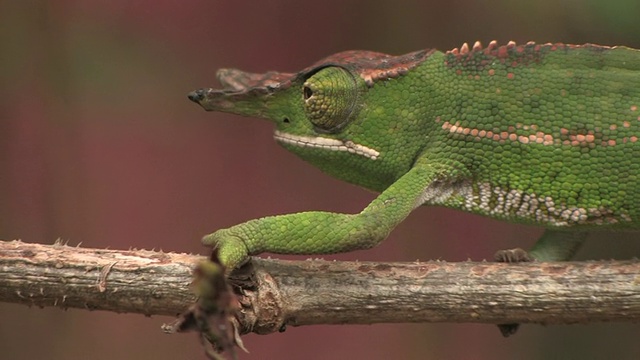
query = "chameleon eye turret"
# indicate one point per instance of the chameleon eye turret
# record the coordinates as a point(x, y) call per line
point(330, 98)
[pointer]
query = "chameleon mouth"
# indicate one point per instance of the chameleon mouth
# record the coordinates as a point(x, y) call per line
point(326, 144)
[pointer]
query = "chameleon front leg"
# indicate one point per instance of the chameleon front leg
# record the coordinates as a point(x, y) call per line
point(318, 232)
point(553, 245)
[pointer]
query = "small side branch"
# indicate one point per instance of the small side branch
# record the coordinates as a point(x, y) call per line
point(275, 294)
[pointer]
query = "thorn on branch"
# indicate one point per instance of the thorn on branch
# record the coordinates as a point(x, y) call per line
point(102, 278)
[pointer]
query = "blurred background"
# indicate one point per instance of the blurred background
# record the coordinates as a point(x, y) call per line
point(100, 146)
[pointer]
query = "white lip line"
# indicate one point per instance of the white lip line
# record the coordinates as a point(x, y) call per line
point(326, 143)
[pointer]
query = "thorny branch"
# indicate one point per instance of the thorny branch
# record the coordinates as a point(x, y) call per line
point(275, 294)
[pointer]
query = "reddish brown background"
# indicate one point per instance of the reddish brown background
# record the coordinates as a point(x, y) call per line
point(100, 146)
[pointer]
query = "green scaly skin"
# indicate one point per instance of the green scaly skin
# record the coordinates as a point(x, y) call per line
point(537, 134)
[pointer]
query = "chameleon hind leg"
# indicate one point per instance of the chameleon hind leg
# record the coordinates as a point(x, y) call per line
point(553, 245)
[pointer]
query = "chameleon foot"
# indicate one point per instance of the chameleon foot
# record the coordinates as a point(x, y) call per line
point(511, 256)
point(508, 329)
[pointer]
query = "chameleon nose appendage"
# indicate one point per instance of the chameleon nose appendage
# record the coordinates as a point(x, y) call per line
point(243, 93)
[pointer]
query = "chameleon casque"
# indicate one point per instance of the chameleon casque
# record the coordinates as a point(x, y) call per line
point(538, 134)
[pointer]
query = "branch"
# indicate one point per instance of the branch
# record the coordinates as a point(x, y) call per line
point(298, 293)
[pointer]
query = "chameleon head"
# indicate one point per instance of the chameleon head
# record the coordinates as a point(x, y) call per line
point(326, 97)
point(321, 113)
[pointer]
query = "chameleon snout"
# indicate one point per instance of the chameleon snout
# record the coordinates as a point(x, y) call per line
point(197, 95)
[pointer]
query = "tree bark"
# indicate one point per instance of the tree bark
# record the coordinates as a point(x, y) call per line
point(276, 293)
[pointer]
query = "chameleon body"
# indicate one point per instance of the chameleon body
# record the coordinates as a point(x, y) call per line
point(538, 134)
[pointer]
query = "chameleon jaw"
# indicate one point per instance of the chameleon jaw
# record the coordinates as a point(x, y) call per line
point(326, 144)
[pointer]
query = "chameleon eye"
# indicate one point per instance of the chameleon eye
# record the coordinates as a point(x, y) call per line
point(330, 96)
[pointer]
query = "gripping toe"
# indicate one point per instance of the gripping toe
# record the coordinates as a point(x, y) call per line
point(512, 256)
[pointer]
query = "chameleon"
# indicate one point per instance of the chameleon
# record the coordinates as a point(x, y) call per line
point(540, 134)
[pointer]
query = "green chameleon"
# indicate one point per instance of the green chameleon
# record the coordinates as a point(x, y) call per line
point(535, 134)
